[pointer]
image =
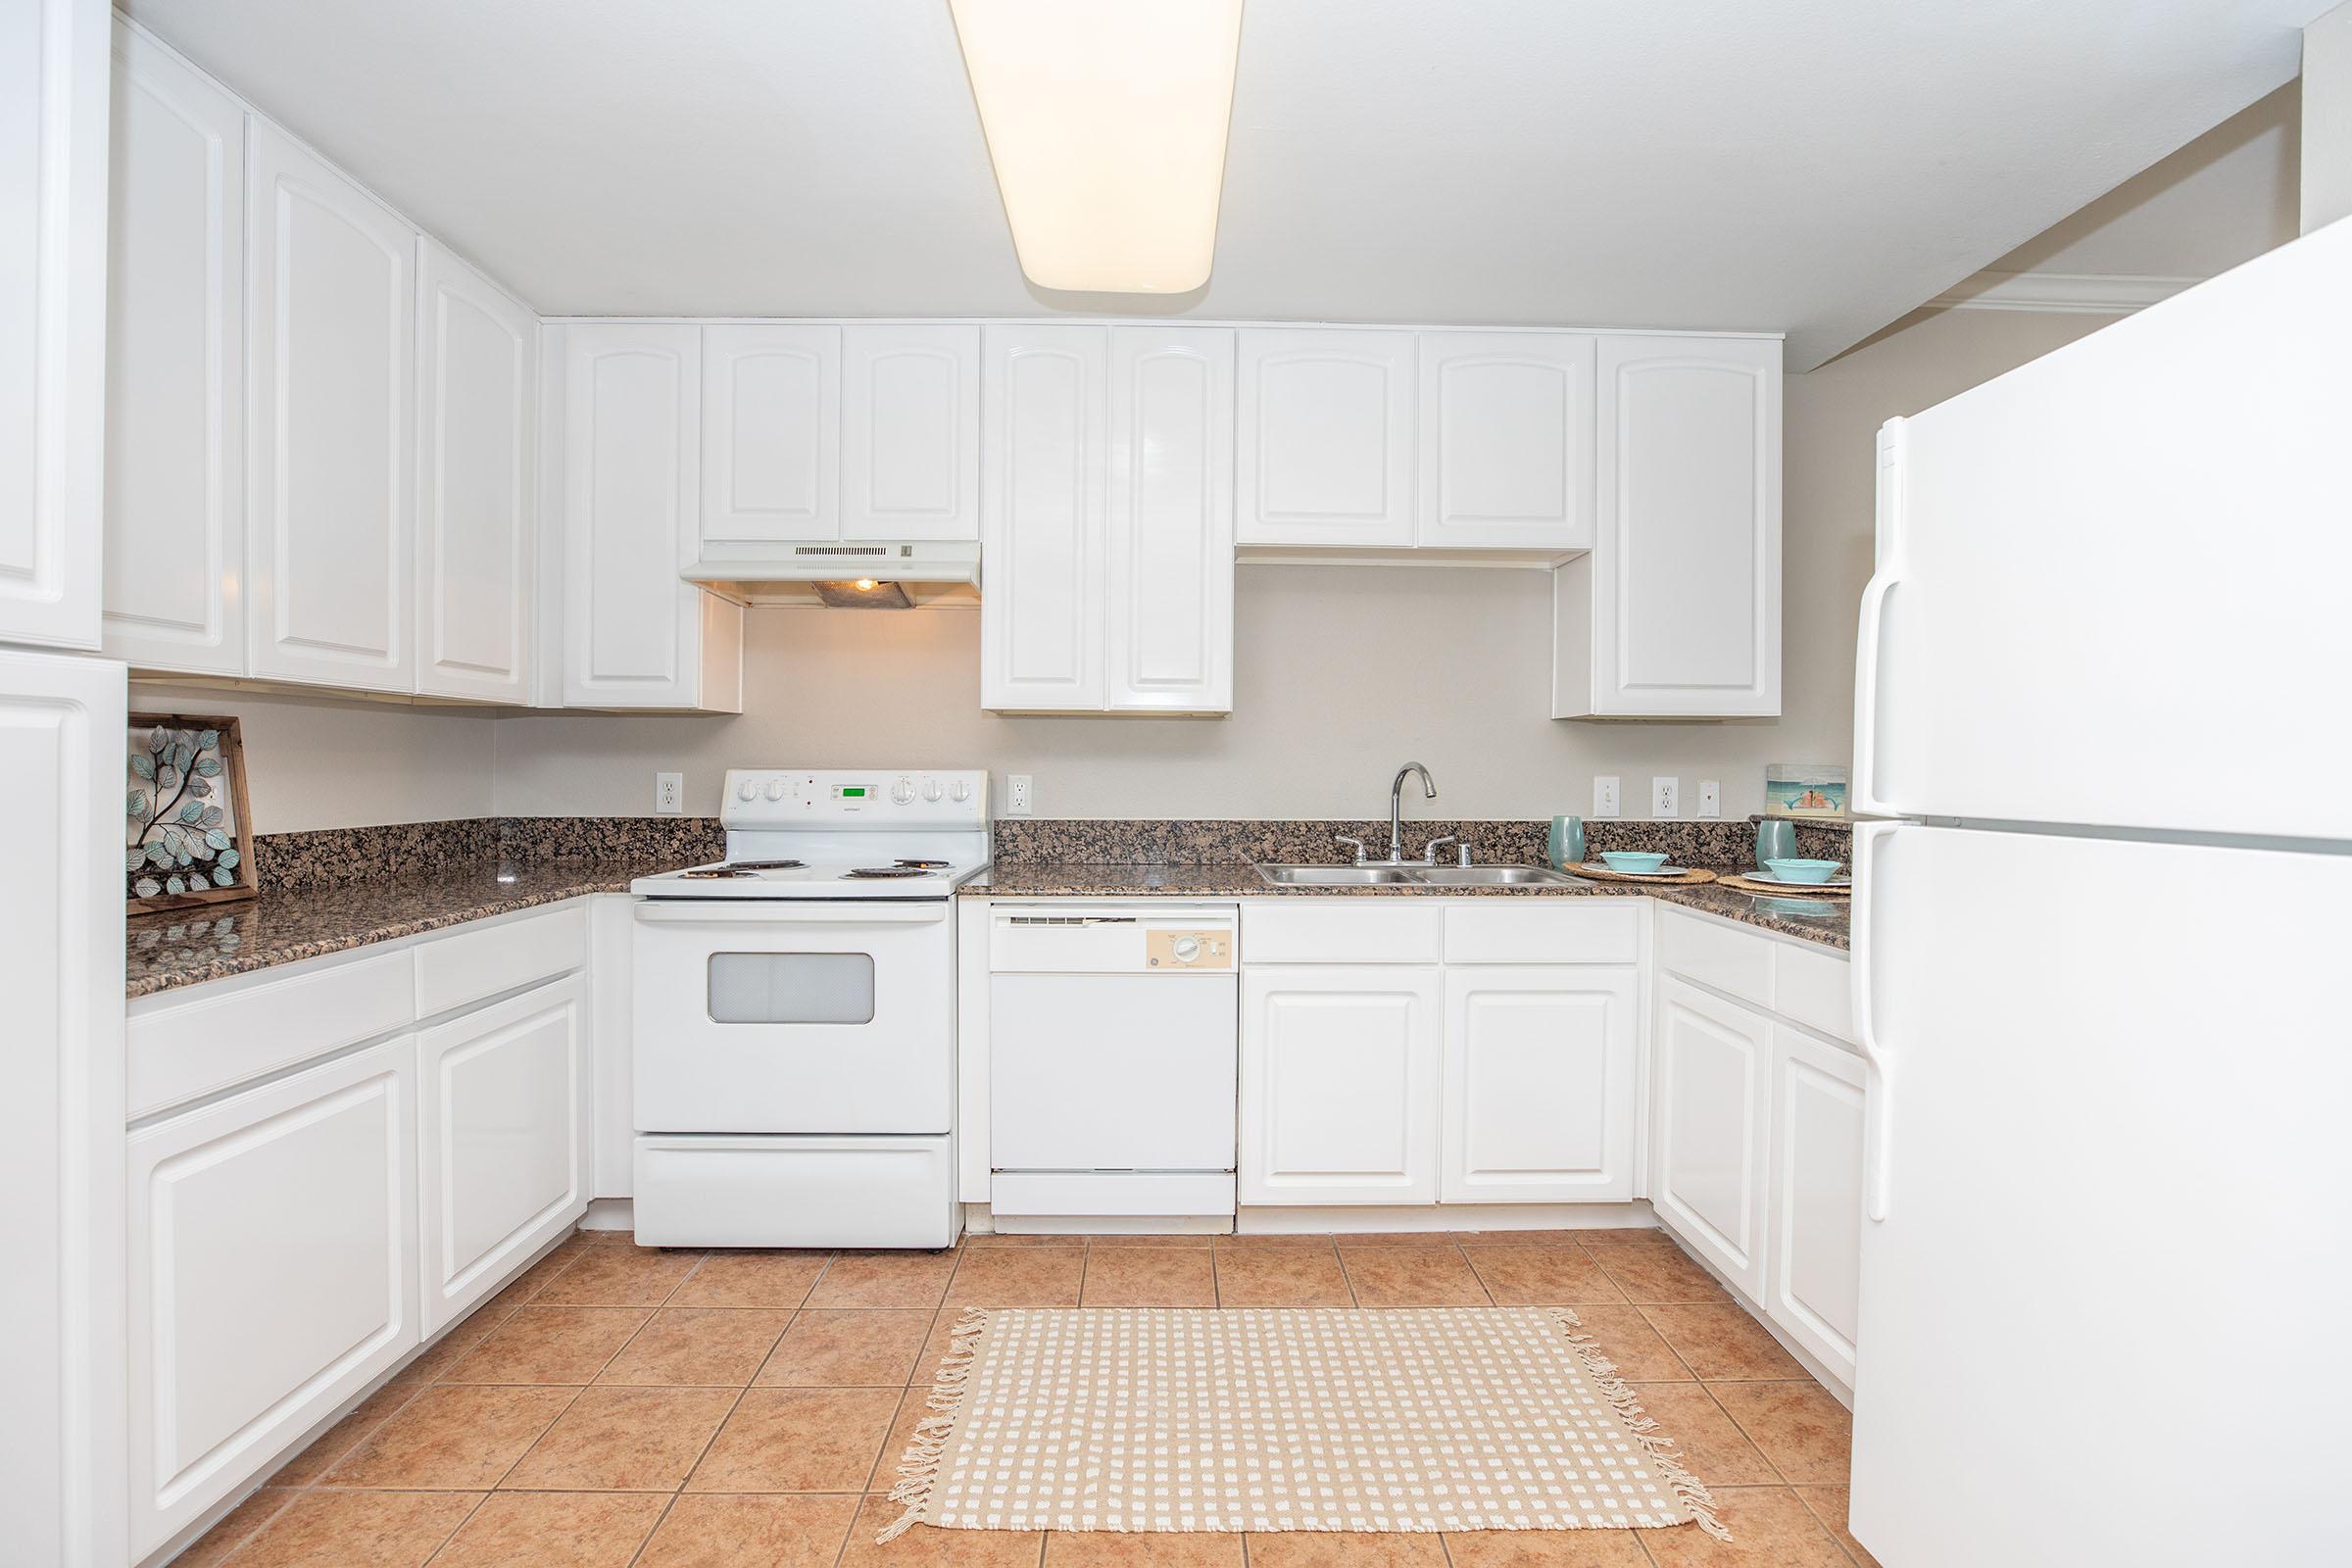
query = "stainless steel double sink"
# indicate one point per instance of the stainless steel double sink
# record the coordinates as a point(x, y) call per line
point(1421, 876)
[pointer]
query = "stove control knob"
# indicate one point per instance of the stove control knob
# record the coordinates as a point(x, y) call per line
point(775, 789)
point(931, 791)
point(903, 792)
point(748, 789)
point(963, 790)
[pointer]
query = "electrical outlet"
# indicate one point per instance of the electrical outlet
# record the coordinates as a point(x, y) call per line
point(1605, 795)
point(1016, 794)
point(1665, 798)
point(1710, 798)
point(670, 793)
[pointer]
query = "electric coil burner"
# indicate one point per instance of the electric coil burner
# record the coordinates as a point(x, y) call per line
point(875, 873)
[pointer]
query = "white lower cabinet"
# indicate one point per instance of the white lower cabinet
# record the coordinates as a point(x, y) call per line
point(272, 1273)
point(1539, 1097)
point(1709, 1063)
point(1340, 1091)
point(1813, 1269)
point(502, 1140)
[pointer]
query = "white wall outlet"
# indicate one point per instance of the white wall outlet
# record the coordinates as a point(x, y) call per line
point(1016, 794)
point(1605, 795)
point(670, 793)
point(1665, 798)
point(1710, 798)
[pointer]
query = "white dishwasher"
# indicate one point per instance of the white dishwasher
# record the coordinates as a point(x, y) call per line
point(1113, 1060)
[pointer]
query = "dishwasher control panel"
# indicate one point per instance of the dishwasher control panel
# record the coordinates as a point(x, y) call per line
point(1166, 948)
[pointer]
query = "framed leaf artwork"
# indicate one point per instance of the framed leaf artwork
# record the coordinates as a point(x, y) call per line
point(187, 836)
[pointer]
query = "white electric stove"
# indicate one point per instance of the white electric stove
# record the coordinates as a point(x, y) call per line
point(795, 1012)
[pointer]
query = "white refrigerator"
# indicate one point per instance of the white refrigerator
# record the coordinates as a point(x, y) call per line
point(2102, 946)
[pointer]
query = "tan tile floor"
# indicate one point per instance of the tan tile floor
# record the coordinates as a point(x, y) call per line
point(672, 1410)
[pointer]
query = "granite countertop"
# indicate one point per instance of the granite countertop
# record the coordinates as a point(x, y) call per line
point(1822, 920)
point(186, 947)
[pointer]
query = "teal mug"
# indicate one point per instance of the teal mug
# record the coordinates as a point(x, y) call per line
point(1566, 846)
point(1776, 839)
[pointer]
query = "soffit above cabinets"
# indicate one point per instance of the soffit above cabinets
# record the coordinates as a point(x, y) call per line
point(1814, 167)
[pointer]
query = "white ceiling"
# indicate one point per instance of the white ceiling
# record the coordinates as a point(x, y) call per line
point(1812, 166)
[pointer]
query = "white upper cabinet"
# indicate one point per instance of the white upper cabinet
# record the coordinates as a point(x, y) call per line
point(910, 432)
point(1325, 438)
point(478, 372)
point(1677, 611)
point(53, 219)
point(635, 634)
point(1539, 1084)
point(1506, 441)
point(771, 420)
point(1042, 600)
point(1170, 563)
point(330, 424)
point(174, 367)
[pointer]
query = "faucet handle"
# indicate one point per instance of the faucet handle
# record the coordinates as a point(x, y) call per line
point(1428, 850)
point(1355, 843)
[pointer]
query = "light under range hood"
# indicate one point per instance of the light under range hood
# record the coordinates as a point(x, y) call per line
point(789, 574)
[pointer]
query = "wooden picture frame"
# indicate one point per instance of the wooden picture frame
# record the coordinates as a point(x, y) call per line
point(187, 820)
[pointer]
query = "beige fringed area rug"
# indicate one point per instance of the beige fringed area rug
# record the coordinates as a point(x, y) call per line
point(1173, 1419)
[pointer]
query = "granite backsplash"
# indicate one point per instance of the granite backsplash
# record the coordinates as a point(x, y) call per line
point(1026, 840)
point(353, 857)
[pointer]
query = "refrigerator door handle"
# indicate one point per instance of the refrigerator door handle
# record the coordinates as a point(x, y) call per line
point(1878, 1079)
point(1883, 582)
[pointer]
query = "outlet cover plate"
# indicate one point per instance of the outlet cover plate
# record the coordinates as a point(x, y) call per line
point(1665, 798)
point(670, 793)
point(1017, 788)
point(1605, 795)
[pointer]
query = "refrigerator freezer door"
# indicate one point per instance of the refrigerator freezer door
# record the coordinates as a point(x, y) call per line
point(2106, 1251)
point(2109, 587)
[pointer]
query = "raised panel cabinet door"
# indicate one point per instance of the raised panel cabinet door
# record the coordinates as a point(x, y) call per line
point(632, 473)
point(1169, 556)
point(1506, 440)
point(1042, 545)
point(502, 1152)
point(1711, 1061)
point(174, 367)
point(910, 432)
point(1539, 1084)
point(772, 435)
point(272, 1274)
point(1324, 442)
point(1338, 1090)
point(477, 373)
point(330, 424)
point(1813, 1280)
point(53, 221)
point(1685, 572)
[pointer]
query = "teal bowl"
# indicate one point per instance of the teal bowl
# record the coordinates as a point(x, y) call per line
point(1804, 871)
point(1636, 861)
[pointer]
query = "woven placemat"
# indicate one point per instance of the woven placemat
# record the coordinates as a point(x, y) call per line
point(1602, 873)
point(1785, 890)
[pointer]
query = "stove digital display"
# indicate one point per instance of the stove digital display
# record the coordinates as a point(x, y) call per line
point(848, 792)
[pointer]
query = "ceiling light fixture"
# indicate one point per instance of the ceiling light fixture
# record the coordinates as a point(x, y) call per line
point(1105, 121)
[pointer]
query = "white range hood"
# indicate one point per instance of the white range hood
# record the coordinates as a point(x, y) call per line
point(755, 573)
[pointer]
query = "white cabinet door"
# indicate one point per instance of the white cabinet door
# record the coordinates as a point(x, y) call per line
point(330, 424)
point(1041, 546)
point(635, 635)
point(1813, 1274)
point(53, 218)
point(910, 431)
point(272, 1274)
point(1169, 556)
point(477, 373)
point(1539, 1084)
point(502, 1122)
point(1683, 586)
point(1324, 438)
point(1506, 440)
point(174, 367)
point(1710, 1061)
point(62, 1091)
point(1340, 1089)
point(772, 435)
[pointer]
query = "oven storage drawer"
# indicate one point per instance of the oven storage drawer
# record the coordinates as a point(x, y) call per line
point(795, 1192)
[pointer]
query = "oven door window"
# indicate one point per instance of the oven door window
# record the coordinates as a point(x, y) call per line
point(791, 988)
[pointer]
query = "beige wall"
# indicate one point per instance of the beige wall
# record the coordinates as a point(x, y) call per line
point(1343, 674)
point(314, 764)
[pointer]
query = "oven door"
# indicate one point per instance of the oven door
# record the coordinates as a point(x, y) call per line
point(783, 1017)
